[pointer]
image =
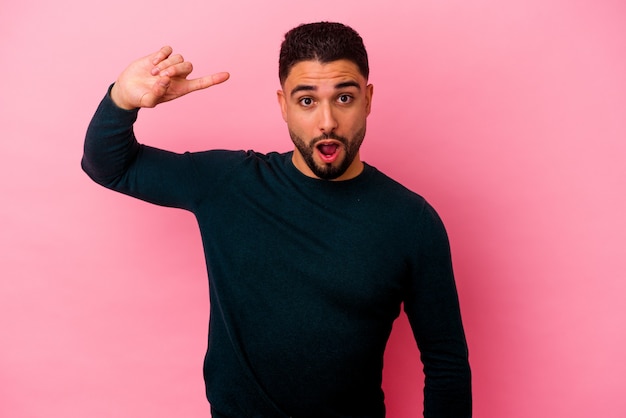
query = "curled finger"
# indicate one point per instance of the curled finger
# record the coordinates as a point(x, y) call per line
point(162, 54)
point(168, 67)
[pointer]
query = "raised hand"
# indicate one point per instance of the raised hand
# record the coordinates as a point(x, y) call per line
point(158, 78)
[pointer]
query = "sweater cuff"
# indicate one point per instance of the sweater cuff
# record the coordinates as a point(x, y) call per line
point(114, 109)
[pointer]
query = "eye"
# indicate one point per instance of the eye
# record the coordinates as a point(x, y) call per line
point(344, 98)
point(306, 101)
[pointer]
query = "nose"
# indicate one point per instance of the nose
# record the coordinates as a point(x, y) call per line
point(327, 119)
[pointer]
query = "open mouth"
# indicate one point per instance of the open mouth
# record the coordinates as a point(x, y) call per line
point(328, 151)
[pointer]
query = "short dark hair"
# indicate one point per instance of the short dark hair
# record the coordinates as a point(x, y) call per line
point(324, 42)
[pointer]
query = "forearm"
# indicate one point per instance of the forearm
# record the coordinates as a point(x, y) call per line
point(448, 393)
point(444, 353)
point(110, 144)
point(448, 387)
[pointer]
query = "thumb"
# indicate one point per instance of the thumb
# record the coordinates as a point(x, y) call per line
point(157, 92)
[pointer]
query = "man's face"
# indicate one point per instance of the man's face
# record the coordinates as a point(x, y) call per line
point(326, 107)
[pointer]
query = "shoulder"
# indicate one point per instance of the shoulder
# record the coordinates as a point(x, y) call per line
point(391, 189)
point(402, 202)
point(242, 167)
point(229, 158)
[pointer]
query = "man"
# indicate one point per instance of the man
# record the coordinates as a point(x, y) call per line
point(310, 254)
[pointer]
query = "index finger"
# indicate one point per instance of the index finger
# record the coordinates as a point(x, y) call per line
point(208, 81)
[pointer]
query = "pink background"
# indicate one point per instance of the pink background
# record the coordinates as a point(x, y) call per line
point(508, 116)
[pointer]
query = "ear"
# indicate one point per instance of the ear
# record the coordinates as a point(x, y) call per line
point(282, 102)
point(369, 92)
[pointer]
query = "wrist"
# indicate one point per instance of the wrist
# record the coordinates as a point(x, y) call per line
point(118, 100)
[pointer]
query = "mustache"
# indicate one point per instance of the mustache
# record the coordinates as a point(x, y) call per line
point(331, 135)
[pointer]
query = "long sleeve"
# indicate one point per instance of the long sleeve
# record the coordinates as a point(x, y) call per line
point(110, 144)
point(113, 158)
point(433, 311)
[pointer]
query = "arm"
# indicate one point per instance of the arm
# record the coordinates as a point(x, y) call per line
point(433, 310)
point(112, 156)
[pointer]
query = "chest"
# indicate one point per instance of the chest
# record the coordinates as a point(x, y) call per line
point(349, 248)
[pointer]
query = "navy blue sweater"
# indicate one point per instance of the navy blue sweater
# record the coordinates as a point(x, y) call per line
point(306, 276)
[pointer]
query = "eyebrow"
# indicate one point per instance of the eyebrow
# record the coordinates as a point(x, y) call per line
point(305, 87)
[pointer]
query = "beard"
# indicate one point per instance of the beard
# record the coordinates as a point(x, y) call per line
point(326, 171)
